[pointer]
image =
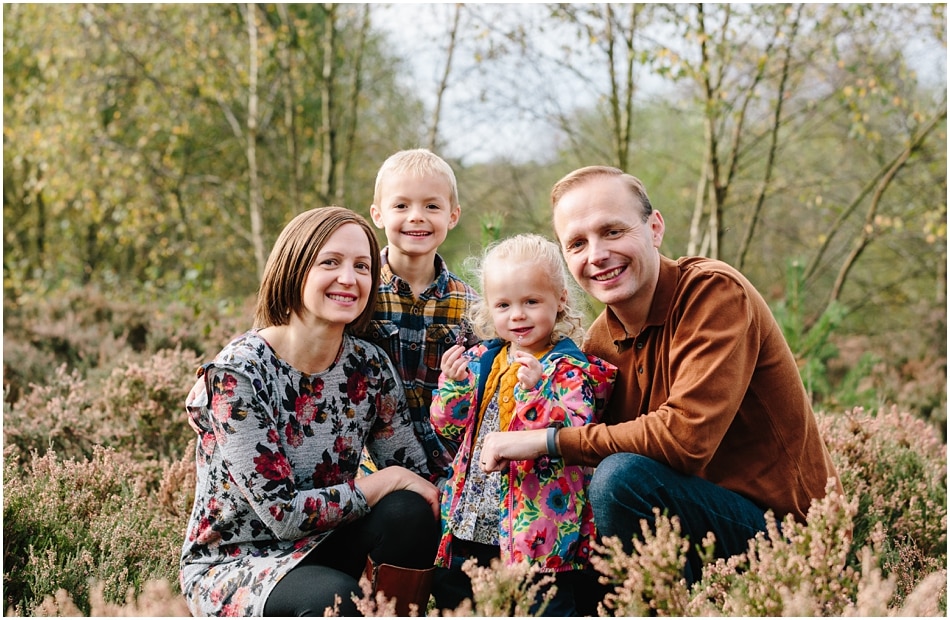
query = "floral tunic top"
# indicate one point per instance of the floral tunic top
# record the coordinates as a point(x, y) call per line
point(277, 456)
point(545, 516)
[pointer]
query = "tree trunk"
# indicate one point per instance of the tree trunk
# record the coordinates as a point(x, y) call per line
point(328, 172)
point(254, 190)
point(288, 82)
point(349, 144)
point(433, 139)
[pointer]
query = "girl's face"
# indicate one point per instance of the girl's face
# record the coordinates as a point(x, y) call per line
point(338, 285)
point(524, 305)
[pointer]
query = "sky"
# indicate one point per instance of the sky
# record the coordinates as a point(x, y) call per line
point(474, 132)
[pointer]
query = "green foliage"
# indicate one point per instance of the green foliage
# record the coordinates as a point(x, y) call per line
point(125, 135)
point(811, 344)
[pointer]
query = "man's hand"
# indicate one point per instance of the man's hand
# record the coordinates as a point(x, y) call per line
point(500, 449)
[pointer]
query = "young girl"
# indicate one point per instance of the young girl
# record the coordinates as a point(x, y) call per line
point(528, 374)
point(280, 524)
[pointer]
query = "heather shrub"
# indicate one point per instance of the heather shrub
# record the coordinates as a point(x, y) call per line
point(144, 402)
point(80, 328)
point(72, 523)
point(23, 364)
point(648, 580)
point(138, 408)
point(59, 415)
point(791, 569)
point(894, 466)
point(86, 330)
point(794, 569)
point(157, 600)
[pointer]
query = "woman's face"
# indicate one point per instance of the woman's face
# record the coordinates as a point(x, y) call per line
point(339, 284)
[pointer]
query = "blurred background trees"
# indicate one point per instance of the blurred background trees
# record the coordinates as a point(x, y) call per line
point(155, 151)
point(152, 153)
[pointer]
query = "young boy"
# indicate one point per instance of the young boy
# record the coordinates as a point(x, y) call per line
point(421, 304)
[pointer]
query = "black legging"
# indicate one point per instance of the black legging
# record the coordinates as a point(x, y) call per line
point(400, 530)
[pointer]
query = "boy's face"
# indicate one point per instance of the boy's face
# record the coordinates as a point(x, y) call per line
point(416, 212)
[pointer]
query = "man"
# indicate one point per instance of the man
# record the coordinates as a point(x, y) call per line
point(709, 420)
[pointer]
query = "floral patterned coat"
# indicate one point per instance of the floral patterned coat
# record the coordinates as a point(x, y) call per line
point(277, 456)
point(545, 515)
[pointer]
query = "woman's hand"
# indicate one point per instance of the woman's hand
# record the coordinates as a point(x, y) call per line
point(500, 448)
point(454, 363)
point(530, 372)
point(379, 484)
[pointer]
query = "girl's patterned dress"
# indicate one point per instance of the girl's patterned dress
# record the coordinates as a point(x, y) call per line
point(277, 456)
point(545, 517)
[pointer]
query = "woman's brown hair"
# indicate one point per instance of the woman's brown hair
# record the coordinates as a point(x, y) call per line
point(293, 255)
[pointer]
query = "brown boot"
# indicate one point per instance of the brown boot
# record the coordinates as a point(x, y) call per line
point(406, 585)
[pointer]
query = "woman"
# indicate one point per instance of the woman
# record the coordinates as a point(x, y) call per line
point(280, 525)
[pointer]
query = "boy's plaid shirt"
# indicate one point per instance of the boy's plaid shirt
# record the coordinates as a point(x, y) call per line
point(415, 332)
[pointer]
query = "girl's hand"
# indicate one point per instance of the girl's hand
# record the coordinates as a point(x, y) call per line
point(530, 372)
point(454, 364)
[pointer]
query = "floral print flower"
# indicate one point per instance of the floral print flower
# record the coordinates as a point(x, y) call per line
point(557, 497)
point(306, 408)
point(356, 388)
point(221, 405)
point(271, 465)
point(539, 539)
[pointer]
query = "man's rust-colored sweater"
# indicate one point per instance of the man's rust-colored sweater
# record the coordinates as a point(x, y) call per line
point(710, 388)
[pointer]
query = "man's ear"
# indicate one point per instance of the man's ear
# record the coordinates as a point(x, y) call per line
point(657, 228)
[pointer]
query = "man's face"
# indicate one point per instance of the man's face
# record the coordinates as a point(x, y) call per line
point(609, 249)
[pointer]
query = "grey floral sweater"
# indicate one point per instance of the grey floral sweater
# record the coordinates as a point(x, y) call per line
point(277, 456)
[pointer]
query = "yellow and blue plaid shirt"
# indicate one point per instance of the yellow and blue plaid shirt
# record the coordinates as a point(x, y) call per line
point(415, 332)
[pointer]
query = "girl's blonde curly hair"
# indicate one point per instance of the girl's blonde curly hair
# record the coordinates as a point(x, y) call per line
point(502, 256)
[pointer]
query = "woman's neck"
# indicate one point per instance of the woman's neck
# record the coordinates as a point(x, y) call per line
point(309, 349)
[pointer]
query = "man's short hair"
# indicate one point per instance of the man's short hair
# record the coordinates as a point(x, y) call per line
point(583, 175)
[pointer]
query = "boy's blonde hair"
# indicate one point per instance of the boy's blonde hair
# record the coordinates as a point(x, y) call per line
point(418, 162)
point(500, 256)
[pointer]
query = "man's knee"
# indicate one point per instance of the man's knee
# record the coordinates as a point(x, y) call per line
point(622, 475)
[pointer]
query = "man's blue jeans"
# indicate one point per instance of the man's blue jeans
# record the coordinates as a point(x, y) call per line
point(627, 486)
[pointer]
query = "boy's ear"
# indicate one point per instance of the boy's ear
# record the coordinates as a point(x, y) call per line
point(376, 215)
point(454, 216)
